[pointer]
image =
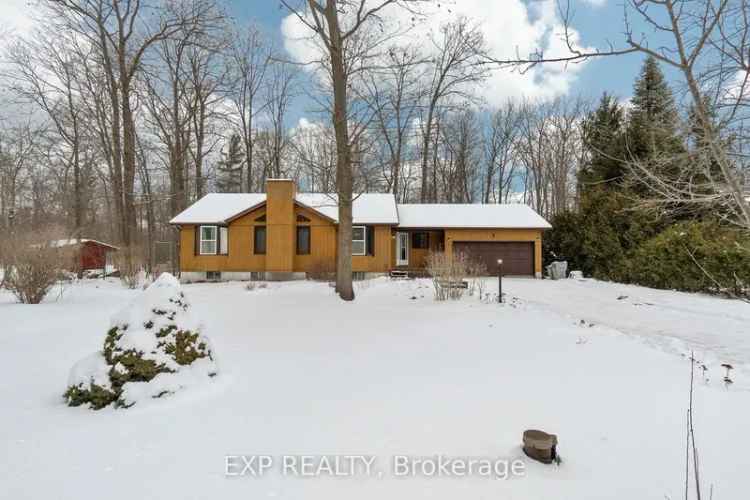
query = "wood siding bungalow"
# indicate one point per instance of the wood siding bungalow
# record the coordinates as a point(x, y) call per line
point(282, 234)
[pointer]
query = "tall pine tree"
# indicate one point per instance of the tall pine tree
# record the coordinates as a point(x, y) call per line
point(653, 121)
point(602, 139)
point(229, 168)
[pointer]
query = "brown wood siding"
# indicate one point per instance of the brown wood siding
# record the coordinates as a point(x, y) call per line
point(518, 257)
point(240, 257)
point(93, 255)
point(417, 256)
point(322, 247)
point(281, 226)
point(322, 243)
point(380, 262)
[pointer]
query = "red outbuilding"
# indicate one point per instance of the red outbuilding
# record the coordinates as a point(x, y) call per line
point(88, 254)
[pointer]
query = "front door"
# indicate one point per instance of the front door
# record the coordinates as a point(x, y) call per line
point(402, 249)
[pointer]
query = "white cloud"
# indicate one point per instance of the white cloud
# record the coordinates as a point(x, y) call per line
point(510, 27)
point(15, 15)
point(595, 3)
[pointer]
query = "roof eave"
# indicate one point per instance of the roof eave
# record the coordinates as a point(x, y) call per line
point(304, 205)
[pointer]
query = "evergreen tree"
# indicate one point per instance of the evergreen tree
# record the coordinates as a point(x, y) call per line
point(229, 168)
point(653, 124)
point(609, 225)
point(602, 138)
point(696, 131)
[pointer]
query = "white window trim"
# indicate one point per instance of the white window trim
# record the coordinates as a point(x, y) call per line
point(363, 240)
point(215, 241)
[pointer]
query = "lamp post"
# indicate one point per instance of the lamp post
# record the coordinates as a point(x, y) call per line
point(500, 281)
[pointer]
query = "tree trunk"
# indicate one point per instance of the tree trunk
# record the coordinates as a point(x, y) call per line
point(426, 152)
point(128, 169)
point(344, 181)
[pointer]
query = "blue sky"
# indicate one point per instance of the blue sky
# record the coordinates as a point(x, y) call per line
point(596, 21)
point(507, 24)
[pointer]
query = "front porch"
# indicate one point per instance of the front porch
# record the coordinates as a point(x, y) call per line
point(411, 247)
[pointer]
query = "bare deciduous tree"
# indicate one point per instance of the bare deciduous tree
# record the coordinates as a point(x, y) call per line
point(458, 50)
point(248, 61)
point(346, 51)
point(706, 42)
point(279, 94)
point(121, 32)
point(499, 154)
point(45, 73)
point(395, 92)
point(548, 147)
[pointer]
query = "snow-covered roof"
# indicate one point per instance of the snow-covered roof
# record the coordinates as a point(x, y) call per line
point(371, 208)
point(74, 241)
point(367, 208)
point(510, 215)
point(216, 208)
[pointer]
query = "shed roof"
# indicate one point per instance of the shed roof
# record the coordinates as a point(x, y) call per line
point(77, 241)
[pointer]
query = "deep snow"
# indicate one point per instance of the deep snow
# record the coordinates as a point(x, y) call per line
point(155, 324)
point(392, 373)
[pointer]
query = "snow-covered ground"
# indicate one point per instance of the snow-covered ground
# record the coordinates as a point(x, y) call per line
point(394, 373)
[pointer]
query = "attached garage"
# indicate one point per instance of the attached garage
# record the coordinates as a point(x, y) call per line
point(517, 256)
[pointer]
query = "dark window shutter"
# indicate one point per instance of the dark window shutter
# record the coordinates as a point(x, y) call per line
point(218, 240)
point(197, 240)
point(370, 240)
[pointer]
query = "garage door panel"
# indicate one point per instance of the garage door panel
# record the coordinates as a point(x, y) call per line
point(518, 257)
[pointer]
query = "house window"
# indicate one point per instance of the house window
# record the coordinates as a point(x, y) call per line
point(208, 241)
point(359, 240)
point(420, 240)
point(259, 241)
point(303, 240)
point(224, 240)
point(213, 275)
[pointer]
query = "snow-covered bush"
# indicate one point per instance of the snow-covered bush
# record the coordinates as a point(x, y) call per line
point(154, 347)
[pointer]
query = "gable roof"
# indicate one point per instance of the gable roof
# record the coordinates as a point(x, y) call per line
point(220, 208)
point(367, 208)
point(510, 215)
point(371, 208)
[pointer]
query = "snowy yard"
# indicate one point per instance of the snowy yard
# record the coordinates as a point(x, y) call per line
point(603, 366)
